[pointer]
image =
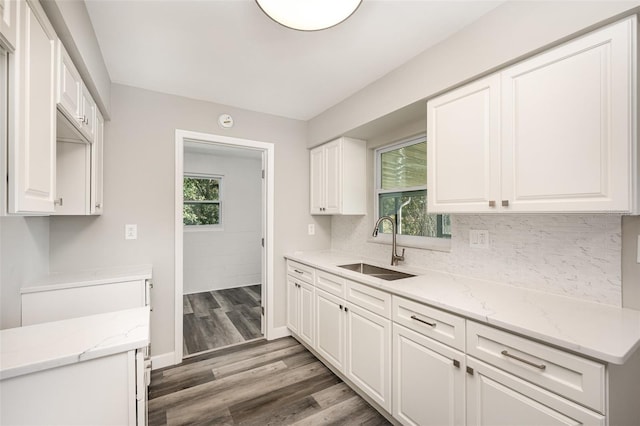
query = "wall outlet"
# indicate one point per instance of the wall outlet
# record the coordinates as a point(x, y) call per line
point(131, 232)
point(311, 229)
point(479, 238)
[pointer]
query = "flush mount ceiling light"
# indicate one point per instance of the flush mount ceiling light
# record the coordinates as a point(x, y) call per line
point(308, 15)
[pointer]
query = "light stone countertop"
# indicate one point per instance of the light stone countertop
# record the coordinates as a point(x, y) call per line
point(38, 347)
point(600, 331)
point(89, 277)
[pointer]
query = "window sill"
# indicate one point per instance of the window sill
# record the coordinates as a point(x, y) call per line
point(427, 243)
point(202, 228)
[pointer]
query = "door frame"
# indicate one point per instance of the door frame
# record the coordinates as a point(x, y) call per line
point(268, 159)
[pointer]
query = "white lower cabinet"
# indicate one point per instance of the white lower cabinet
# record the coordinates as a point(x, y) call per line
point(330, 328)
point(300, 308)
point(428, 380)
point(495, 397)
point(369, 354)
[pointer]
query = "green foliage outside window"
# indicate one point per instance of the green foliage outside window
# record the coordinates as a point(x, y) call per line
point(201, 201)
point(402, 193)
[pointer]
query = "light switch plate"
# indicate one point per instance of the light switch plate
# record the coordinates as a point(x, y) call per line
point(131, 232)
point(311, 229)
point(479, 238)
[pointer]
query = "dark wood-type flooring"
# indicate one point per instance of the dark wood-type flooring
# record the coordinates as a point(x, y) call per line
point(257, 383)
point(215, 319)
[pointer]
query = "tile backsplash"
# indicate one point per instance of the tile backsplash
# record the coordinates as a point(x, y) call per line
point(574, 255)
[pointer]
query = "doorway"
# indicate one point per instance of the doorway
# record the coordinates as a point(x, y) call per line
point(224, 204)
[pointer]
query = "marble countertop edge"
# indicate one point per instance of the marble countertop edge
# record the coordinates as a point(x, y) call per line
point(579, 326)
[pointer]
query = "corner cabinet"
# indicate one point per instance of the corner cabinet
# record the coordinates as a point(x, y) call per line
point(554, 133)
point(32, 130)
point(338, 178)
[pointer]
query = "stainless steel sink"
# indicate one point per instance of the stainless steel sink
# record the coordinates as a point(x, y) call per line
point(376, 271)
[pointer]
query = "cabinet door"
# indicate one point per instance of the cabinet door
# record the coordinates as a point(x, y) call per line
point(463, 130)
point(293, 305)
point(306, 310)
point(369, 354)
point(333, 177)
point(330, 328)
point(317, 184)
point(568, 125)
point(97, 149)
point(88, 114)
point(69, 88)
point(428, 381)
point(498, 398)
point(9, 22)
point(32, 145)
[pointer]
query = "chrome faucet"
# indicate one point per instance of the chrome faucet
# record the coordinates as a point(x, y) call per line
point(394, 249)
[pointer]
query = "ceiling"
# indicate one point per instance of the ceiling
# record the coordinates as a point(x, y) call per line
point(229, 52)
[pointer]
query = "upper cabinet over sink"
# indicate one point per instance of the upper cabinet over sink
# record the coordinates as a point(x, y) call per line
point(338, 178)
point(554, 133)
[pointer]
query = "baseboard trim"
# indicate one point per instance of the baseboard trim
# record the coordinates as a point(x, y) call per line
point(163, 360)
point(277, 333)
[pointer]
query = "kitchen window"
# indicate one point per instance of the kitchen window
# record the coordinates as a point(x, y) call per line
point(202, 201)
point(401, 192)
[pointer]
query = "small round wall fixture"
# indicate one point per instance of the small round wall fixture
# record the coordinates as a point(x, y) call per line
point(309, 15)
point(225, 121)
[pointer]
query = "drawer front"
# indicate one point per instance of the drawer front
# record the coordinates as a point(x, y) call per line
point(302, 272)
point(571, 376)
point(372, 299)
point(434, 323)
point(331, 284)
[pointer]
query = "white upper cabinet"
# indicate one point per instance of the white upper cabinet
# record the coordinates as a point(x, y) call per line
point(463, 148)
point(32, 142)
point(554, 133)
point(73, 97)
point(97, 149)
point(9, 23)
point(338, 177)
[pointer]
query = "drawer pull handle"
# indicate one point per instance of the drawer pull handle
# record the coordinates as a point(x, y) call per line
point(430, 324)
point(517, 358)
point(298, 272)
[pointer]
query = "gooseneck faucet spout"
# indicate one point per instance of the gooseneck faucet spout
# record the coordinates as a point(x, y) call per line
point(395, 257)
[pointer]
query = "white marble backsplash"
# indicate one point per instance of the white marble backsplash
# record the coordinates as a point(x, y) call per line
point(574, 255)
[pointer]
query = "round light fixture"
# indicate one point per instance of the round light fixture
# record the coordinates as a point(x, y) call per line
point(225, 121)
point(308, 15)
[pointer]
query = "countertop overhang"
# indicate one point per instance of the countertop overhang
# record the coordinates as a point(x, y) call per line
point(38, 347)
point(603, 332)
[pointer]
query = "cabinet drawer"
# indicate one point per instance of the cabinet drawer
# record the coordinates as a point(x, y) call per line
point(372, 299)
point(302, 272)
point(434, 323)
point(331, 284)
point(571, 376)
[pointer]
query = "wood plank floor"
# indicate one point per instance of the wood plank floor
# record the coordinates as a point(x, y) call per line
point(215, 319)
point(258, 383)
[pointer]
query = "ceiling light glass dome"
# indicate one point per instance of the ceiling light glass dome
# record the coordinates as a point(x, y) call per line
point(309, 15)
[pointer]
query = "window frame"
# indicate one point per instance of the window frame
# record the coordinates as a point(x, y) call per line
point(433, 243)
point(220, 201)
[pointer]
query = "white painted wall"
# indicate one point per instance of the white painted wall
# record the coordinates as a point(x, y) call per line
point(139, 188)
point(24, 257)
point(230, 256)
point(514, 30)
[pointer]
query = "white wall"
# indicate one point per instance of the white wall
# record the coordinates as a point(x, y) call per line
point(24, 257)
point(509, 32)
point(231, 255)
point(139, 188)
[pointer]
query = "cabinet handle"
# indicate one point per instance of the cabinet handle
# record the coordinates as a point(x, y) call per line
point(505, 203)
point(58, 202)
point(298, 272)
point(517, 358)
point(431, 324)
point(456, 363)
point(341, 307)
point(492, 203)
point(470, 371)
point(346, 309)
point(98, 205)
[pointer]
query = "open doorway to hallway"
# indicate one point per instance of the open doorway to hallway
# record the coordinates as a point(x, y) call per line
point(223, 218)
